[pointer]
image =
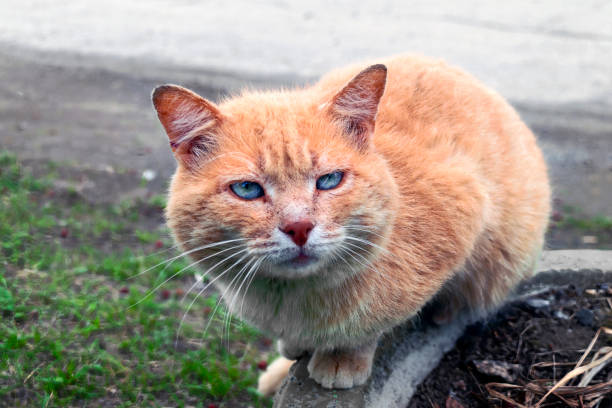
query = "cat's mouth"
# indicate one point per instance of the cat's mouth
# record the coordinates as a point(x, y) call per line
point(301, 260)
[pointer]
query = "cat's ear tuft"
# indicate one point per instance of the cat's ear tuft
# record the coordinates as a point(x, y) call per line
point(190, 121)
point(356, 105)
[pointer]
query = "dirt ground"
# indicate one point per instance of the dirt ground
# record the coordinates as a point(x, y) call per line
point(553, 327)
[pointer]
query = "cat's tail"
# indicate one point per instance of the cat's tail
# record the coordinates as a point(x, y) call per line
point(271, 380)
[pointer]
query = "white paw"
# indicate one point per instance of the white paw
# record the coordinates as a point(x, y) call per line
point(270, 381)
point(340, 369)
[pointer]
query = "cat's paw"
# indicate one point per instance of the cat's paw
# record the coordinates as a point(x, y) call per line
point(270, 381)
point(341, 369)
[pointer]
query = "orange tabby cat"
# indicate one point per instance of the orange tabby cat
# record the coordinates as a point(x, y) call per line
point(330, 214)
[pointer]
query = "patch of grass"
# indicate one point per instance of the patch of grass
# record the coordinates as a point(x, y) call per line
point(591, 224)
point(75, 331)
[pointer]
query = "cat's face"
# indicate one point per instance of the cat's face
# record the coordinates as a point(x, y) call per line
point(290, 183)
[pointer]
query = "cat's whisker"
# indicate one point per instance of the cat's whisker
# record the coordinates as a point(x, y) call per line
point(202, 291)
point(212, 314)
point(367, 251)
point(358, 228)
point(337, 253)
point(214, 244)
point(367, 242)
point(252, 270)
point(169, 249)
point(367, 263)
point(261, 260)
point(185, 268)
point(370, 266)
point(350, 253)
point(205, 274)
point(352, 268)
point(228, 316)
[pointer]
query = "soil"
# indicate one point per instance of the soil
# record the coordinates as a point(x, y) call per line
point(554, 326)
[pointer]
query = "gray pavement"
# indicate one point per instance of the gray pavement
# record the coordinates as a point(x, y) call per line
point(546, 51)
point(77, 74)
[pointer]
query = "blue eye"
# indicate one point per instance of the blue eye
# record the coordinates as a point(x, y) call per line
point(247, 189)
point(329, 181)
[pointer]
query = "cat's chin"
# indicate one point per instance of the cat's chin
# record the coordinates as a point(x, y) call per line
point(298, 267)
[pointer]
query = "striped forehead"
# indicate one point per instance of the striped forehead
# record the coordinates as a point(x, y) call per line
point(285, 156)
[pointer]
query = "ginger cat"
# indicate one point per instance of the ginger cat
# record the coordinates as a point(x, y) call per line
point(330, 214)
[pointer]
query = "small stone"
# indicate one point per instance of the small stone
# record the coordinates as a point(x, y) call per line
point(585, 317)
point(559, 314)
point(149, 175)
point(459, 385)
point(538, 303)
point(499, 369)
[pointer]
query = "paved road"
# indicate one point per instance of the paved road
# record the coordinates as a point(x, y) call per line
point(77, 74)
point(547, 50)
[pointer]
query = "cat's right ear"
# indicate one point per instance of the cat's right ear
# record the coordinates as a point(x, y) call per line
point(190, 121)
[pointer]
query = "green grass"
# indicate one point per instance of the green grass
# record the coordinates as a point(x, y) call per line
point(589, 224)
point(75, 331)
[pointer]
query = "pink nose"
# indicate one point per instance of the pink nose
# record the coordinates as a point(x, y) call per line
point(298, 231)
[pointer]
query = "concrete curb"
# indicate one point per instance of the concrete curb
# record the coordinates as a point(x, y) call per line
point(408, 354)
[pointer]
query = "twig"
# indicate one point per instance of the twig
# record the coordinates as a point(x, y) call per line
point(588, 350)
point(49, 400)
point(520, 341)
point(574, 373)
point(32, 373)
point(587, 377)
point(503, 397)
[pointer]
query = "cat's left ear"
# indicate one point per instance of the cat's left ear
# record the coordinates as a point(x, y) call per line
point(356, 105)
point(190, 121)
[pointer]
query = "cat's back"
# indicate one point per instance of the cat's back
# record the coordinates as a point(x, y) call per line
point(430, 104)
point(432, 110)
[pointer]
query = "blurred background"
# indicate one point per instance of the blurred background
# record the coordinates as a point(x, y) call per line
point(85, 163)
point(86, 68)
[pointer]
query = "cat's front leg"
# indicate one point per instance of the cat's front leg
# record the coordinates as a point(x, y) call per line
point(342, 368)
point(290, 351)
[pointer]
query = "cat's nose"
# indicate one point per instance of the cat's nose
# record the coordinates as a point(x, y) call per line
point(298, 231)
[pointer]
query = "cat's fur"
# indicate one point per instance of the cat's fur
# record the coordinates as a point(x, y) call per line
point(445, 200)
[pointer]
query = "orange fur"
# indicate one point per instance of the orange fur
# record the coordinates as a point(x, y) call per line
point(446, 184)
